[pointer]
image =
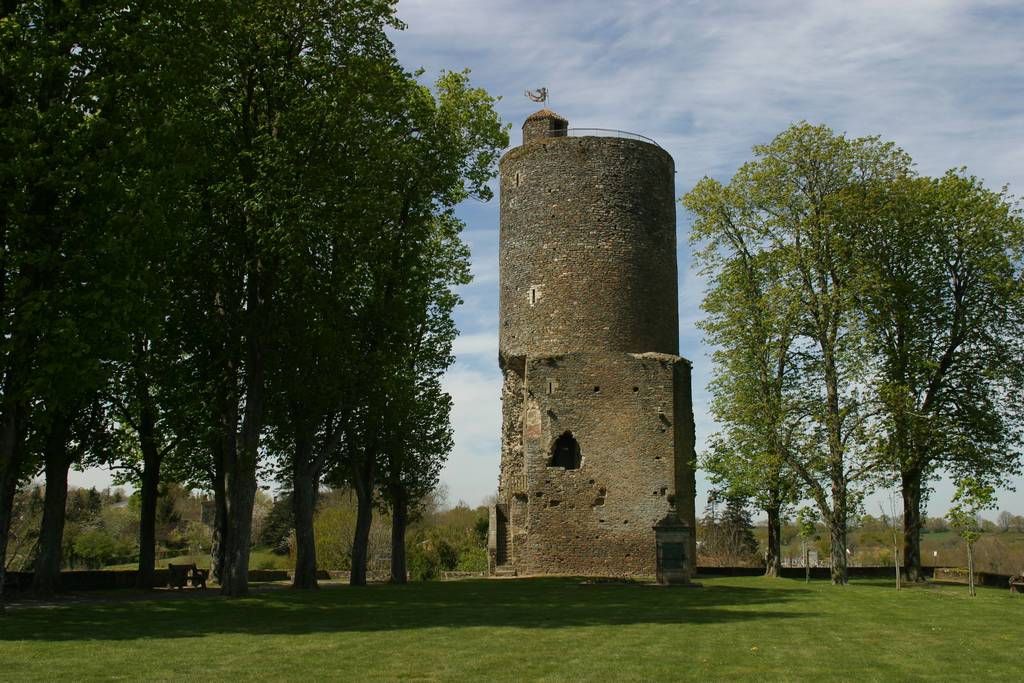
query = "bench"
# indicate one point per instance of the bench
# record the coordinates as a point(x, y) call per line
point(1017, 584)
point(181, 574)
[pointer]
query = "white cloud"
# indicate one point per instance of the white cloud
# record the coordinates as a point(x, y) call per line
point(941, 78)
point(481, 343)
point(471, 472)
point(93, 477)
point(707, 80)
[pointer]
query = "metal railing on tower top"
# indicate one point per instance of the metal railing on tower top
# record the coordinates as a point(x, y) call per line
point(598, 132)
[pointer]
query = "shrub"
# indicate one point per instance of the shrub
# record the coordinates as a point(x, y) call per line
point(334, 529)
point(422, 561)
point(473, 559)
point(96, 547)
point(447, 554)
point(481, 527)
point(279, 525)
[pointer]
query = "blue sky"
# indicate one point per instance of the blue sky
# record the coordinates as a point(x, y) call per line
point(708, 80)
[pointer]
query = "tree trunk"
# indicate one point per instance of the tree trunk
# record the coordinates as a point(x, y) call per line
point(837, 531)
point(241, 462)
point(218, 543)
point(147, 523)
point(151, 461)
point(807, 563)
point(152, 458)
point(399, 523)
point(363, 476)
point(836, 455)
point(241, 495)
point(304, 494)
point(361, 542)
point(46, 579)
point(911, 490)
point(8, 488)
point(772, 565)
point(12, 452)
point(9, 463)
point(970, 568)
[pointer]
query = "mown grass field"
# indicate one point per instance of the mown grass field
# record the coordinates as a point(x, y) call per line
point(529, 629)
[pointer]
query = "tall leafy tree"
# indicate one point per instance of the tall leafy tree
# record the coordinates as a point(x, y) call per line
point(752, 320)
point(419, 444)
point(71, 153)
point(942, 299)
point(346, 145)
point(154, 412)
point(796, 201)
point(451, 157)
point(418, 426)
point(153, 420)
point(269, 65)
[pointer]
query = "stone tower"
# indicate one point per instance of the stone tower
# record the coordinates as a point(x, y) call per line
point(597, 418)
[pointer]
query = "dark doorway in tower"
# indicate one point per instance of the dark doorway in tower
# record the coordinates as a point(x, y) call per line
point(566, 452)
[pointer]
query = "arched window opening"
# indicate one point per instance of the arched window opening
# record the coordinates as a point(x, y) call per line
point(566, 452)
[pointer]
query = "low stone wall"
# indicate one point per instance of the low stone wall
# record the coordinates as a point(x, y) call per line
point(452, 576)
point(799, 572)
point(102, 580)
point(730, 571)
point(959, 575)
point(938, 574)
point(372, 575)
point(80, 581)
point(75, 581)
point(269, 575)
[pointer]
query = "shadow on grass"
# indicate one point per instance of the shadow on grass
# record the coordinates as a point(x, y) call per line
point(522, 603)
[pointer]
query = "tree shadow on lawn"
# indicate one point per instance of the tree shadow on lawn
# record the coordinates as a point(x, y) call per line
point(520, 603)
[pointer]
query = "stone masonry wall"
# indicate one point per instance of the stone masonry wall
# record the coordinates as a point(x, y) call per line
point(512, 395)
point(543, 124)
point(621, 408)
point(686, 451)
point(588, 251)
point(512, 478)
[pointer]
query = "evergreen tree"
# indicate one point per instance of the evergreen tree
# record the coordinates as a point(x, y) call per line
point(738, 528)
point(728, 530)
point(279, 524)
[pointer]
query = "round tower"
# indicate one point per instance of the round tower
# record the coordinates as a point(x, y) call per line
point(597, 433)
point(587, 251)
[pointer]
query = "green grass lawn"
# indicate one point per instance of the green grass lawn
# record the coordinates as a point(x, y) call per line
point(529, 629)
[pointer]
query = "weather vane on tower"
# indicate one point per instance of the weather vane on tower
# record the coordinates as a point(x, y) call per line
point(540, 95)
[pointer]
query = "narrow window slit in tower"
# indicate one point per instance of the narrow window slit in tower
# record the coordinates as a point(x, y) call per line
point(551, 388)
point(533, 295)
